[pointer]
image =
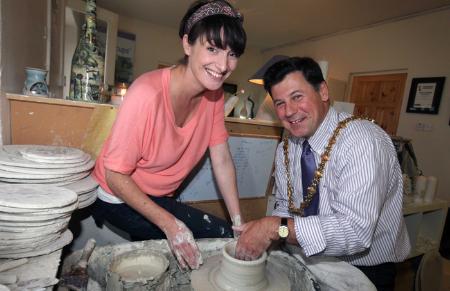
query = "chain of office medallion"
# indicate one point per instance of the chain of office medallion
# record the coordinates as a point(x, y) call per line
point(312, 189)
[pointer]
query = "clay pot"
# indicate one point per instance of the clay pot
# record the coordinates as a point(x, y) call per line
point(235, 274)
point(138, 270)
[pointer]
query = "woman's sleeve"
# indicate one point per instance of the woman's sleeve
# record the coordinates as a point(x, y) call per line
point(127, 135)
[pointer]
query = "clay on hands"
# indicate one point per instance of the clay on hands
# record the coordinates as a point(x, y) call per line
point(237, 225)
point(256, 237)
point(184, 247)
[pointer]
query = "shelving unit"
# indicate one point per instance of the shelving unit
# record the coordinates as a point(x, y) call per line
point(425, 223)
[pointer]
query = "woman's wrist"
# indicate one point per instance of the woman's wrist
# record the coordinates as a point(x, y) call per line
point(236, 219)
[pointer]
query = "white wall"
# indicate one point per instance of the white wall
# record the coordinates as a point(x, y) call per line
point(157, 44)
point(23, 44)
point(421, 45)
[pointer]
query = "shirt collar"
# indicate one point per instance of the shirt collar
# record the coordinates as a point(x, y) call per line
point(319, 140)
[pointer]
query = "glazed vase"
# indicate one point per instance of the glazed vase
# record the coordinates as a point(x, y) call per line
point(35, 82)
point(86, 76)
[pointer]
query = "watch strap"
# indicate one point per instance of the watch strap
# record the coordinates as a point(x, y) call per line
point(284, 221)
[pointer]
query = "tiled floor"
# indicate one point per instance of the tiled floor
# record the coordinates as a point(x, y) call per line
point(405, 276)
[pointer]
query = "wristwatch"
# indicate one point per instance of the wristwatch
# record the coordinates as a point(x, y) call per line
point(283, 230)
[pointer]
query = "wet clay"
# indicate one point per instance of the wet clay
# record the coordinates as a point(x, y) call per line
point(138, 270)
point(225, 272)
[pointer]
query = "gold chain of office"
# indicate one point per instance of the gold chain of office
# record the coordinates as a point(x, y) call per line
point(312, 189)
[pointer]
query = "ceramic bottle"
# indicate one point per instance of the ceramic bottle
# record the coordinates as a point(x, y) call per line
point(86, 76)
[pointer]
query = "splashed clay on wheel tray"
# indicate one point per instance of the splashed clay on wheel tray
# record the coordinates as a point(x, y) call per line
point(138, 270)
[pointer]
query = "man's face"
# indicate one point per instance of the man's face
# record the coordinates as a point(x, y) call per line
point(299, 106)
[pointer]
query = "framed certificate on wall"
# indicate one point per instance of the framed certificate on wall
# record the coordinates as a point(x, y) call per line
point(425, 95)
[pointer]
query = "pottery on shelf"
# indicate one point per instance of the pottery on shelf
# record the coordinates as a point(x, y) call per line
point(35, 82)
point(86, 76)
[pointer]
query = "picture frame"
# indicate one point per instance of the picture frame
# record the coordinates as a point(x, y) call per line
point(126, 43)
point(425, 95)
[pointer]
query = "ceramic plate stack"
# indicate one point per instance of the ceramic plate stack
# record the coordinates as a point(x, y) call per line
point(86, 190)
point(34, 219)
point(40, 164)
point(50, 165)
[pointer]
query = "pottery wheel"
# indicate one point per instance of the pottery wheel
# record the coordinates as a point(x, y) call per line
point(203, 279)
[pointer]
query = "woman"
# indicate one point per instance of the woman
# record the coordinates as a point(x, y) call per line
point(168, 120)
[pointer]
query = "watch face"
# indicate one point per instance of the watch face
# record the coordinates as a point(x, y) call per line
point(283, 231)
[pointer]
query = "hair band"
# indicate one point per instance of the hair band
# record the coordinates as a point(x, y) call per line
point(211, 8)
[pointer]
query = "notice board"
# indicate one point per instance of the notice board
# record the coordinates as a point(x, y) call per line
point(253, 158)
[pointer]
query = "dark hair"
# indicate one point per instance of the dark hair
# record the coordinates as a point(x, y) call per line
point(234, 35)
point(307, 66)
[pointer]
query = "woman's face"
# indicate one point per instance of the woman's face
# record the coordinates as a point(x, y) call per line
point(210, 65)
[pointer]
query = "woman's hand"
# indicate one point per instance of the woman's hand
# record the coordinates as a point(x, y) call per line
point(180, 238)
point(183, 245)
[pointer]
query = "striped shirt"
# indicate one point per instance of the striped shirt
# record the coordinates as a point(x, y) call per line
point(360, 216)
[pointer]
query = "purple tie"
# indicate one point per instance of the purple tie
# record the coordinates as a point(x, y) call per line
point(308, 169)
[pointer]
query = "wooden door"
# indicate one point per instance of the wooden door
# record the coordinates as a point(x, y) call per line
point(379, 97)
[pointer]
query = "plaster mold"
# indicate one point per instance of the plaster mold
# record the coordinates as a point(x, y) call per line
point(34, 218)
point(49, 171)
point(52, 153)
point(88, 184)
point(30, 211)
point(65, 238)
point(11, 155)
point(36, 196)
point(87, 199)
point(36, 273)
point(225, 272)
point(58, 181)
point(16, 175)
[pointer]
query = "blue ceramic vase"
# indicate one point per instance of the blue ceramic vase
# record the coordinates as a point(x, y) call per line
point(35, 82)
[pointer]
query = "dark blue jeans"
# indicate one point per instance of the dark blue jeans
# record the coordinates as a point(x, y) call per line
point(382, 276)
point(124, 217)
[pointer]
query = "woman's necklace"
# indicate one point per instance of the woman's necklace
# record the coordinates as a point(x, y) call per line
point(312, 189)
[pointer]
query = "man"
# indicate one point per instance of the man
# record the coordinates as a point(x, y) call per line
point(338, 181)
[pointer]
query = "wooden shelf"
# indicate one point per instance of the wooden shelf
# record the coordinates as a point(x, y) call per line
point(47, 100)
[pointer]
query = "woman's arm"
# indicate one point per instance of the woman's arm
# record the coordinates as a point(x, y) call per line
point(178, 235)
point(225, 174)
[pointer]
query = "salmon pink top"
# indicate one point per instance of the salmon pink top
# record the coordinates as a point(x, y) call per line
point(146, 143)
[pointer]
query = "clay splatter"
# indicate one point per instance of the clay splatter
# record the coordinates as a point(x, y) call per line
point(206, 218)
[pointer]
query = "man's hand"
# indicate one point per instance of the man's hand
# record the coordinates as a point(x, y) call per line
point(183, 245)
point(256, 237)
